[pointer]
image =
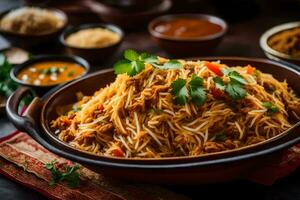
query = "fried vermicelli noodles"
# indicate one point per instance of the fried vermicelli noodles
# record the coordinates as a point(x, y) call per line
point(137, 116)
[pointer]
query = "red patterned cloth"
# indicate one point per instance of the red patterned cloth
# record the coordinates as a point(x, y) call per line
point(22, 160)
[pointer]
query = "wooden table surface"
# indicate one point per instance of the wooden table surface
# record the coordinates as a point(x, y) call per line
point(247, 21)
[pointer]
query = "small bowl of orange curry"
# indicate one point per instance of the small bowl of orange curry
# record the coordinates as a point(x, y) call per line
point(47, 71)
point(188, 34)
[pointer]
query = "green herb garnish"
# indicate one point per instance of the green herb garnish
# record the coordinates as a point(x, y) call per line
point(148, 58)
point(133, 63)
point(236, 77)
point(198, 93)
point(235, 87)
point(131, 55)
point(70, 73)
point(219, 83)
point(46, 71)
point(235, 90)
point(7, 85)
point(180, 91)
point(54, 70)
point(172, 64)
point(68, 174)
point(271, 108)
point(220, 137)
point(195, 91)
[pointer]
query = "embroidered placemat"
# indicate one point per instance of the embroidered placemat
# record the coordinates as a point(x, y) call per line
point(22, 160)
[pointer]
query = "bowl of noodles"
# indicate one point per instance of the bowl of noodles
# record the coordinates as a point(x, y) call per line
point(158, 120)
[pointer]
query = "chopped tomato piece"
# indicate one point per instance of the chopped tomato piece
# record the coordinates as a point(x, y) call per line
point(100, 107)
point(214, 68)
point(250, 69)
point(118, 153)
point(67, 122)
point(216, 92)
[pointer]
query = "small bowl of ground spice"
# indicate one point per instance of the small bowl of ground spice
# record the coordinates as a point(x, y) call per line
point(93, 42)
point(282, 42)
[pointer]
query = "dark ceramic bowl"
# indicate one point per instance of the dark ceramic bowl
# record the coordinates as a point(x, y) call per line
point(272, 53)
point(208, 168)
point(128, 18)
point(186, 47)
point(93, 55)
point(42, 89)
point(28, 41)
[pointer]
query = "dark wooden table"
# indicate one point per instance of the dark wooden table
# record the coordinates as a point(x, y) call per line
point(247, 21)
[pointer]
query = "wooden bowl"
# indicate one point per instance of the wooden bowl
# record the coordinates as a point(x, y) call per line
point(207, 168)
point(272, 53)
point(28, 41)
point(187, 47)
point(42, 89)
point(93, 55)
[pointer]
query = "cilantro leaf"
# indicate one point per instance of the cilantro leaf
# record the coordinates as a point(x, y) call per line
point(220, 137)
point(219, 83)
point(122, 66)
point(172, 64)
point(196, 81)
point(131, 65)
point(148, 58)
point(69, 174)
point(136, 67)
point(180, 91)
point(7, 85)
point(2, 59)
point(131, 55)
point(271, 108)
point(226, 71)
point(235, 90)
point(234, 75)
point(198, 93)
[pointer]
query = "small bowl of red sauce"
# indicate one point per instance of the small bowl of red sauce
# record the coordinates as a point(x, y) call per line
point(188, 34)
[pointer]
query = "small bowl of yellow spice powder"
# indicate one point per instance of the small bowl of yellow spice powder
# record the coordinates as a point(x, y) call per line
point(94, 42)
point(282, 42)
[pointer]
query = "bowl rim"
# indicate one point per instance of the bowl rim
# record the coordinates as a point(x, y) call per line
point(57, 11)
point(72, 29)
point(107, 10)
point(40, 58)
point(263, 41)
point(88, 155)
point(211, 18)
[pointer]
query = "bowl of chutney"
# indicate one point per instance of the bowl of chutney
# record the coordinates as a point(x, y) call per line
point(188, 34)
point(44, 72)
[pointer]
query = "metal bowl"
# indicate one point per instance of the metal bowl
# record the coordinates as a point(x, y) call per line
point(272, 53)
